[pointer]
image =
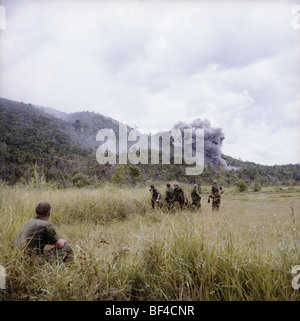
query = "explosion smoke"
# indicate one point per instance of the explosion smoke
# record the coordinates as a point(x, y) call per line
point(213, 141)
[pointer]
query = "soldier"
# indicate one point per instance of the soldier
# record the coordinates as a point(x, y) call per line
point(196, 198)
point(38, 232)
point(215, 195)
point(156, 197)
point(169, 198)
point(179, 196)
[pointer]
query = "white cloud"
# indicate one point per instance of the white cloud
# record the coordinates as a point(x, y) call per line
point(154, 64)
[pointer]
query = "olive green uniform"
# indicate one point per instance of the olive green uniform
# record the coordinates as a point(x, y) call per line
point(196, 199)
point(215, 194)
point(36, 234)
point(179, 196)
point(169, 198)
point(155, 192)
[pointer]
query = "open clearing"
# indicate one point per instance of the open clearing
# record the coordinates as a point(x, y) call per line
point(245, 251)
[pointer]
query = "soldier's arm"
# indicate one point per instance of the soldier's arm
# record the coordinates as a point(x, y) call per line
point(158, 196)
point(60, 243)
point(151, 194)
point(53, 238)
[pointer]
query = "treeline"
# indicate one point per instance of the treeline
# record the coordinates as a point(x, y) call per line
point(250, 173)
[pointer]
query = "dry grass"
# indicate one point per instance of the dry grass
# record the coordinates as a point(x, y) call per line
point(245, 251)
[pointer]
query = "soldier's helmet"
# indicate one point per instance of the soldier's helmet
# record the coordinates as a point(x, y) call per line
point(152, 186)
point(195, 185)
point(215, 182)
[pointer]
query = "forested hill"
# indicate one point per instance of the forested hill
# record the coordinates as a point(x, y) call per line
point(60, 148)
point(34, 142)
point(83, 126)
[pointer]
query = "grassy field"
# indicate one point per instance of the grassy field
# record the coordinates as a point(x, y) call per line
point(245, 251)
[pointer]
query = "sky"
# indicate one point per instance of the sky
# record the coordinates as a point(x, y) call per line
point(155, 63)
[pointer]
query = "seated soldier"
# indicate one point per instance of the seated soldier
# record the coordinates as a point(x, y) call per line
point(38, 232)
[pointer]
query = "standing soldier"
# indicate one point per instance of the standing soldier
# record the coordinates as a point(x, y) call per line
point(169, 198)
point(156, 196)
point(215, 195)
point(196, 198)
point(179, 196)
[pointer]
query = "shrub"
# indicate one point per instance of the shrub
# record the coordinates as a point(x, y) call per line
point(242, 186)
point(119, 175)
point(256, 187)
point(80, 180)
point(135, 174)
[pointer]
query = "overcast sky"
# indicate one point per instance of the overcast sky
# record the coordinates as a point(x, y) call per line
point(152, 64)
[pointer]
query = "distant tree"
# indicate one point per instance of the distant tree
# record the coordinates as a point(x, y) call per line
point(256, 187)
point(119, 175)
point(135, 174)
point(80, 180)
point(22, 180)
point(77, 125)
point(241, 186)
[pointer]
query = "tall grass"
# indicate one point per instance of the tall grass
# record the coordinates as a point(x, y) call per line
point(245, 251)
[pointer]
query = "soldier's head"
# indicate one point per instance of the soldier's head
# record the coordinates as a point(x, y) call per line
point(151, 186)
point(168, 185)
point(176, 185)
point(215, 182)
point(43, 209)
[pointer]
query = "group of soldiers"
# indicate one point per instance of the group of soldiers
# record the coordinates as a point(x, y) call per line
point(177, 195)
point(38, 232)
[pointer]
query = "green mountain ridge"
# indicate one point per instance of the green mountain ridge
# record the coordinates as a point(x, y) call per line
point(60, 147)
point(33, 141)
